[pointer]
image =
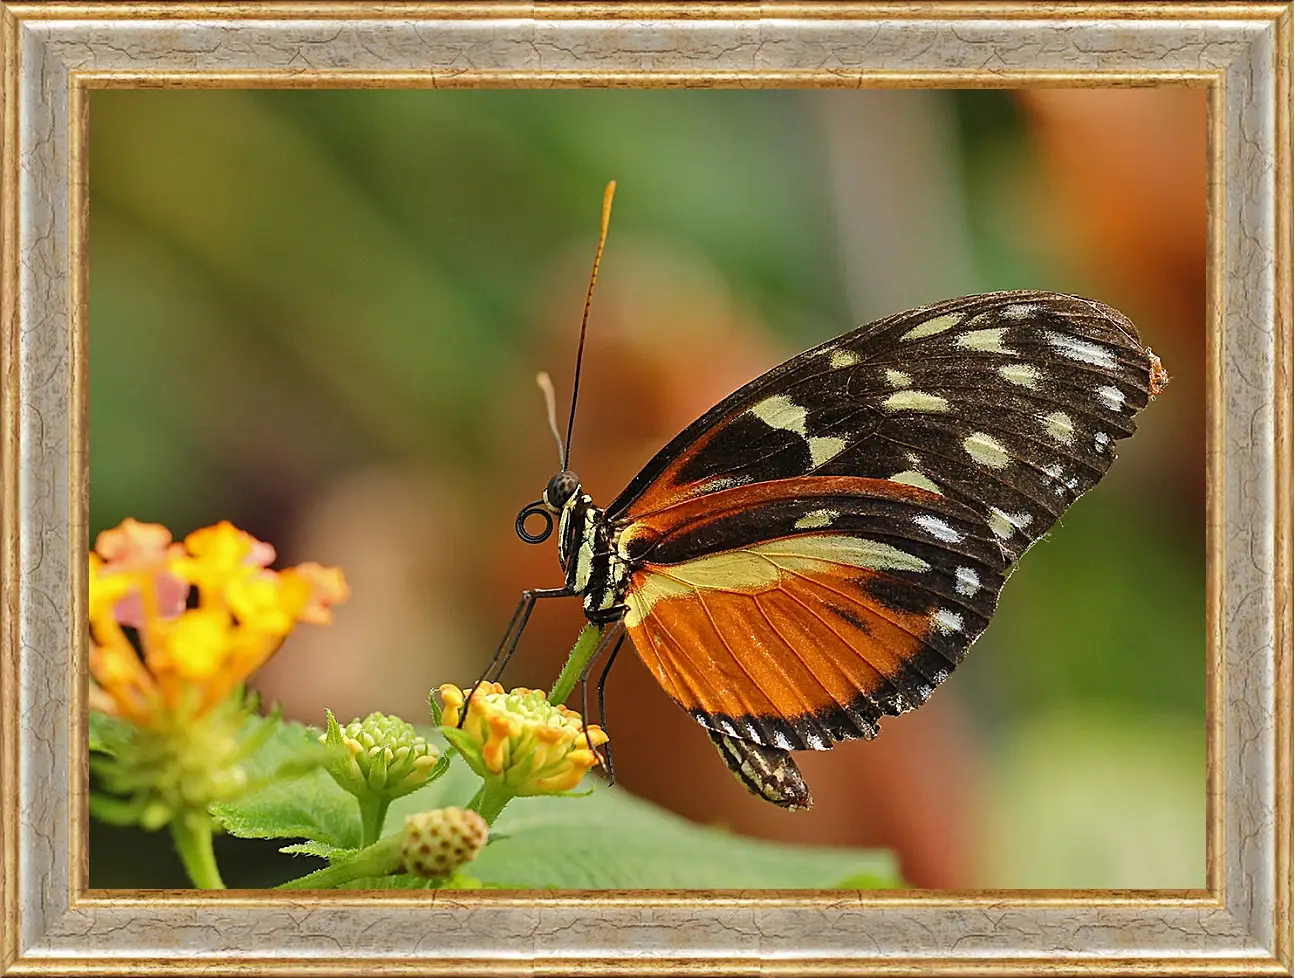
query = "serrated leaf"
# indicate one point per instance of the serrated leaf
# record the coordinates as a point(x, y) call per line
point(321, 849)
point(310, 807)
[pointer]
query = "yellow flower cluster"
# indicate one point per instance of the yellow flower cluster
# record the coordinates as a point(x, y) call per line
point(190, 658)
point(521, 739)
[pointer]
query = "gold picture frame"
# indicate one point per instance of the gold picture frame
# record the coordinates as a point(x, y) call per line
point(55, 53)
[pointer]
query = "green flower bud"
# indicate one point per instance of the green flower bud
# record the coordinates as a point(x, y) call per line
point(160, 772)
point(438, 843)
point(384, 756)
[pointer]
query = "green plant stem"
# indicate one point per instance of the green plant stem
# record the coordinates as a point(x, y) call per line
point(191, 833)
point(584, 649)
point(380, 859)
point(491, 800)
point(373, 812)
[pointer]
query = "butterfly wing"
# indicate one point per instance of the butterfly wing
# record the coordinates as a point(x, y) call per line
point(795, 613)
point(1008, 403)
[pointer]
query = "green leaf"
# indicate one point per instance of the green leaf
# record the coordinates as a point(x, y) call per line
point(613, 840)
point(107, 733)
point(321, 849)
point(114, 811)
point(311, 807)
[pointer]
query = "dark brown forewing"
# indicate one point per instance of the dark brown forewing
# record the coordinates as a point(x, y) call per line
point(1009, 403)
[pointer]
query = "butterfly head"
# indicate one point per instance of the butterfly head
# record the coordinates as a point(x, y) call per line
point(562, 489)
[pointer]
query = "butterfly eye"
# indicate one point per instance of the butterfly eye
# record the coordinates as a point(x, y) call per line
point(536, 508)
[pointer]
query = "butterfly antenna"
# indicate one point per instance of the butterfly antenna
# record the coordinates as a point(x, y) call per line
point(608, 194)
point(550, 401)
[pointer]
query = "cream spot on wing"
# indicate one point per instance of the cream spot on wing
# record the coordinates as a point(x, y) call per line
point(938, 528)
point(967, 582)
point(984, 341)
point(647, 590)
point(1111, 397)
point(897, 378)
point(911, 477)
point(985, 450)
point(932, 326)
point(720, 482)
point(1060, 427)
point(843, 358)
point(824, 449)
point(783, 413)
point(1018, 310)
point(1080, 350)
point(1020, 374)
point(1005, 524)
point(946, 621)
point(1001, 525)
point(915, 401)
point(752, 570)
point(816, 518)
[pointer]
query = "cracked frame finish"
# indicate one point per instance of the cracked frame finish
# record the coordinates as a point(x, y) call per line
point(54, 53)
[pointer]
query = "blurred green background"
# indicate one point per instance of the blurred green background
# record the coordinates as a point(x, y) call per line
point(318, 314)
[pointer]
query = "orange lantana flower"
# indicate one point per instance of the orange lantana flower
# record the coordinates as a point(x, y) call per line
point(190, 658)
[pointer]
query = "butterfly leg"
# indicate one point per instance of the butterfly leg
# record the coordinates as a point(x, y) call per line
point(513, 635)
point(602, 706)
point(617, 632)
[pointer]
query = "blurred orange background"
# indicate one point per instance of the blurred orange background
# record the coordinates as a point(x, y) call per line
point(318, 314)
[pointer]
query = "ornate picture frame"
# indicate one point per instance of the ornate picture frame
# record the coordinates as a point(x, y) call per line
point(54, 54)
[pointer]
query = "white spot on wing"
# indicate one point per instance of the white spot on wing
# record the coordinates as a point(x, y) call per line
point(938, 528)
point(1080, 350)
point(946, 621)
point(780, 739)
point(968, 581)
point(1111, 397)
point(815, 741)
point(932, 326)
point(1101, 440)
point(985, 450)
point(915, 401)
point(1018, 310)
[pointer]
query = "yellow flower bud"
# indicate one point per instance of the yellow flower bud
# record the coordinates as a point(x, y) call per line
point(519, 740)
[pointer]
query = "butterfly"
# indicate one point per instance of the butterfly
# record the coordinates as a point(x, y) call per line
point(822, 547)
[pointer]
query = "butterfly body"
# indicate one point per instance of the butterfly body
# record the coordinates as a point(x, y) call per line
point(821, 548)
